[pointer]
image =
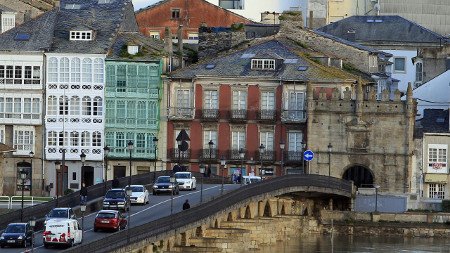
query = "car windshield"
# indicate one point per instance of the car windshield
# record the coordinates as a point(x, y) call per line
point(115, 194)
point(137, 188)
point(182, 175)
point(255, 180)
point(58, 214)
point(15, 229)
point(163, 180)
point(106, 215)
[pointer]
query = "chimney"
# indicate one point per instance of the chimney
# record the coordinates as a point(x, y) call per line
point(180, 45)
point(168, 46)
point(58, 4)
point(27, 16)
point(311, 19)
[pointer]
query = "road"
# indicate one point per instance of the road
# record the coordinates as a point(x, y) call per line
point(158, 207)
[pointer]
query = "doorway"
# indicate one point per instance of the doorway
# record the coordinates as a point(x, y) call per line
point(88, 175)
point(360, 175)
point(119, 171)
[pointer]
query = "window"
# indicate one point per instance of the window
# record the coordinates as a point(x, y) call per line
point(399, 64)
point(64, 70)
point(183, 102)
point(209, 135)
point(437, 158)
point(63, 140)
point(98, 70)
point(96, 139)
point(295, 105)
point(52, 138)
point(53, 70)
point(133, 49)
point(23, 139)
point(295, 141)
point(17, 74)
point(52, 105)
point(193, 36)
point(63, 105)
point(267, 100)
point(85, 139)
point(266, 138)
point(436, 191)
point(2, 107)
point(131, 110)
point(210, 99)
point(74, 138)
point(80, 35)
point(175, 13)
point(97, 108)
point(120, 141)
point(419, 72)
point(75, 73)
point(154, 34)
point(2, 134)
point(239, 100)
point(27, 108)
point(238, 139)
point(75, 105)
point(232, 4)
point(86, 105)
point(263, 64)
point(121, 113)
point(87, 70)
point(140, 143)
point(36, 108)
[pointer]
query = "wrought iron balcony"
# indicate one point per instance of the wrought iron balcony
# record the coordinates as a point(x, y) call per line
point(180, 113)
point(210, 114)
point(293, 156)
point(176, 155)
point(295, 116)
point(238, 114)
point(268, 155)
point(234, 155)
point(206, 155)
point(266, 115)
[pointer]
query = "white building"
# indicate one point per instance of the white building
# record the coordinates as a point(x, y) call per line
point(7, 19)
point(434, 94)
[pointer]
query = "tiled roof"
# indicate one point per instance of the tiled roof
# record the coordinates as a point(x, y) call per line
point(51, 30)
point(5, 9)
point(238, 64)
point(435, 121)
point(151, 49)
point(381, 29)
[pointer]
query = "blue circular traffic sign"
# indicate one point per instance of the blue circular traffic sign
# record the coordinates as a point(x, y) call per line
point(308, 155)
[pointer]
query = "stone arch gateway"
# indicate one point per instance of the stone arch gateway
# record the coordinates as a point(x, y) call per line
point(360, 175)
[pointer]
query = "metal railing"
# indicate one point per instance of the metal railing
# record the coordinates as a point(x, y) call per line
point(211, 208)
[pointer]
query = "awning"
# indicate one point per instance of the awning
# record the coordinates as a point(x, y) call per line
point(436, 178)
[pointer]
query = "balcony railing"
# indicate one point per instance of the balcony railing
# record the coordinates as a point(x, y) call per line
point(180, 113)
point(206, 155)
point(238, 114)
point(234, 155)
point(177, 155)
point(293, 156)
point(293, 116)
point(210, 114)
point(266, 114)
point(268, 155)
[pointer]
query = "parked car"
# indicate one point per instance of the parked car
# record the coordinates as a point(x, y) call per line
point(116, 199)
point(60, 212)
point(16, 234)
point(251, 179)
point(163, 184)
point(61, 231)
point(139, 194)
point(186, 181)
point(110, 220)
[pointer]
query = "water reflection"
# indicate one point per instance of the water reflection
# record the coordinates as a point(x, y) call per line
point(361, 244)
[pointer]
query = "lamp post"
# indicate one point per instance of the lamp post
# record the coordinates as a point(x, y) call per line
point(303, 158)
point(130, 148)
point(376, 197)
point(202, 171)
point(31, 172)
point(129, 191)
point(330, 148)
point(155, 146)
point(32, 225)
point(179, 150)
point(262, 148)
point(223, 162)
point(82, 209)
point(57, 183)
point(106, 150)
point(172, 181)
point(282, 145)
point(23, 176)
point(83, 160)
point(242, 155)
point(211, 146)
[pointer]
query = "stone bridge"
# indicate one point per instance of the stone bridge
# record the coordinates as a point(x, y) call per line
point(244, 219)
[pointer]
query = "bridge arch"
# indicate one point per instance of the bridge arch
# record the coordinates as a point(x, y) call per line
point(359, 174)
point(267, 210)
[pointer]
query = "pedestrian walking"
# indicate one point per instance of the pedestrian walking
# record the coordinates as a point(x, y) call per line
point(186, 205)
point(83, 194)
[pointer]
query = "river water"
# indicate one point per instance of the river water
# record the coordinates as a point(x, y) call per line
point(316, 243)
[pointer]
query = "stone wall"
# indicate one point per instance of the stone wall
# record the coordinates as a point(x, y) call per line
point(434, 61)
point(211, 43)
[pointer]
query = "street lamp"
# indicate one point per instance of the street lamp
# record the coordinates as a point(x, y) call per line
point(172, 181)
point(179, 150)
point(129, 191)
point(376, 197)
point(130, 148)
point(262, 148)
point(202, 171)
point(303, 158)
point(155, 145)
point(83, 160)
point(223, 162)
point(31, 172)
point(23, 176)
point(82, 209)
point(32, 225)
point(242, 155)
point(330, 148)
point(282, 145)
point(106, 150)
point(211, 146)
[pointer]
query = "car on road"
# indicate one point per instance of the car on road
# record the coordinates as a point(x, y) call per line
point(116, 199)
point(163, 184)
point(62, 231)
point(60, 212)
point(16, 234)
point(186, 180)
point(139, 194)
point(110, 220)
point(251, 179)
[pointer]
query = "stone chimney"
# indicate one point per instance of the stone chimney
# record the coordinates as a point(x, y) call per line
point(180, 45)
point(168, 47)
point(291, 21)
point(311, 20)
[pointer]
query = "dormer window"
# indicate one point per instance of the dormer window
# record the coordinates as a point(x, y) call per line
point(81, 35)
point(133, 50)
point(263, 64)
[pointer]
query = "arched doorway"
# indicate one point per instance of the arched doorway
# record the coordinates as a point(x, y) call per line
point(360, 175)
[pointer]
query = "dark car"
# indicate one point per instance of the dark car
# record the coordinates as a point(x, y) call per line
point(16, 234)
point(163, 184)
point(110, 220)
point(116, 199)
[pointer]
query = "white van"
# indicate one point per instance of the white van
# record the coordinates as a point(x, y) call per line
point(251, 179)
point(62, 231)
